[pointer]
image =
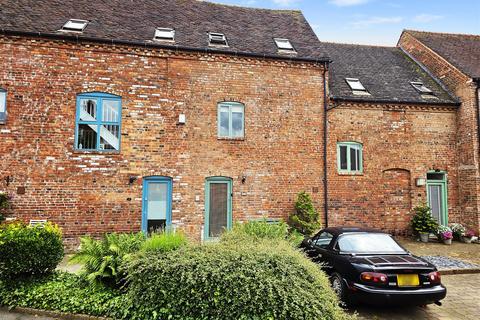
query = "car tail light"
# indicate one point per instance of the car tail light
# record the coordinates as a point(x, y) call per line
point(374, 277)
point(434, 277)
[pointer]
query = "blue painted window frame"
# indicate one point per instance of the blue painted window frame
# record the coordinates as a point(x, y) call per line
point(157, 179)
point(3, 99)
point(230, 105)
point(350, 145)
point(99, 97)
point(208, 181)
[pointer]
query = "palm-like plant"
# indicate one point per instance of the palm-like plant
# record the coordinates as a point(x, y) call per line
point(104, 260)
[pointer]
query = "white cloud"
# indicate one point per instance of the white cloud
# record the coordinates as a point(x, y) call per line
point(347, 3)
point(284, 3)
point(425, 18)
point(376, 20)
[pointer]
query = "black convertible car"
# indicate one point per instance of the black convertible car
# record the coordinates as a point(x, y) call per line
point(368, 266)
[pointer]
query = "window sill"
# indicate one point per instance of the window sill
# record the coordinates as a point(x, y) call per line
point(79, 151)
point(345, 173)
point(231, 138)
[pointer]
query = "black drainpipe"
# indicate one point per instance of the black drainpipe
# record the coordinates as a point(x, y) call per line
point(325, 119)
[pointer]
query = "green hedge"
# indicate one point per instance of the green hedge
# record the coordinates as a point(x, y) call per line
point(247, 280)
point(63, 292)
point(26, 250)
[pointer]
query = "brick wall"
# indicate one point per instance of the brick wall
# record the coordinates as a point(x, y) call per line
point(467, 140)
point(400, 144)
point(89, 193)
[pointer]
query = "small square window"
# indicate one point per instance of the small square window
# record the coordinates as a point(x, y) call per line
point(165, 34)
point(3, 105)
point(231, 120)
point(74, 25)
point(284, 44)
point(218, 39)
point(349, 156)
point(356, 86)
point(420, 87)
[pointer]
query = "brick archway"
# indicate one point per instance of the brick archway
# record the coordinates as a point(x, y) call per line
point(397, 204)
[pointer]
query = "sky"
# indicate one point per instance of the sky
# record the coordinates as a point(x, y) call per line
point(378, 22)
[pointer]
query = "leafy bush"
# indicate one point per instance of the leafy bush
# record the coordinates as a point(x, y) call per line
point(422, 221)
point(63, 292)
point(26, 250)
point(261, 229)
point(246, 280)
point(164, 242)
point(305, 219)
point(103, 259)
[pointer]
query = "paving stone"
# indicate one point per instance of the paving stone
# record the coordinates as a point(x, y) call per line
point(442, 263)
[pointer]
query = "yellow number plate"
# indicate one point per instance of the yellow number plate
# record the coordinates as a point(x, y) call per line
point(408, 280)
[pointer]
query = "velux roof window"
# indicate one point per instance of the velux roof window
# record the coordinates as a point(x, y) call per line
point(217, 39)
point(284, 44)
point(420, 87)
point(164, 34)
point(356, 86)
point(74, 25)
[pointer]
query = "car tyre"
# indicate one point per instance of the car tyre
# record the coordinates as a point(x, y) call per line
point(340, 288)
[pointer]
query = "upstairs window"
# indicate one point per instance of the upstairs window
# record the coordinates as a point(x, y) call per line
point(231, 120)
point(74, 25)
point(3, 105)
point(420, 87)
point(164, 34)
point(284, 44)
point(98, 122)
point(217, 39)
point(349, 157)
point(356, 86)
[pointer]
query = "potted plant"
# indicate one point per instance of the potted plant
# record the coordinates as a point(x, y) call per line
point(468, 236)
point(458, 231)
point(445, 234)
point(423, 222)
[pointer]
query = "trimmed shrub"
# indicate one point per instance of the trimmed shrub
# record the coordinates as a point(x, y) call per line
point(246, 280)
point(63, 292)
point(103, 259)
point(422, 220)
point(27, 250)
point(305, 219)
point(164, 242)
point(261, 229)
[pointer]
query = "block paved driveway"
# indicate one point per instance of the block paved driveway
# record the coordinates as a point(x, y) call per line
point(462, 303)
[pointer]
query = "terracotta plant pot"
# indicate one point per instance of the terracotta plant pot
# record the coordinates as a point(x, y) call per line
point(447, 241)
point(424, 236)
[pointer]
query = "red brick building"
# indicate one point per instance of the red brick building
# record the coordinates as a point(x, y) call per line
point(210, 114)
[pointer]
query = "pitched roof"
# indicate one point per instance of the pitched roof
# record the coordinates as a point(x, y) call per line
point(385, 72)
point(248, 30)
point(461, 50)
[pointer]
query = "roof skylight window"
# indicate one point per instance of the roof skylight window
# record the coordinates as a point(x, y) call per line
point(74, 25)
point(356, 86)
point(284, 44)
point(165, 34)
point(218, 39)
point(420, 87)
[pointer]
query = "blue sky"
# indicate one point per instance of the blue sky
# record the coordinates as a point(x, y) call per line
point(378, 22)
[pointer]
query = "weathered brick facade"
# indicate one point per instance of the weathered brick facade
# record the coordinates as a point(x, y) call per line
point(90, 193)
point(400, 144)
point(467, 144)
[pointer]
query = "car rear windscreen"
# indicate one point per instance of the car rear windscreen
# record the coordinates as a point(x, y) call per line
point(368, 243)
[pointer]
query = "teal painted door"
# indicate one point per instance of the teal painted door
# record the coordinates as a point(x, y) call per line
point(218, 206)
point(437, 197)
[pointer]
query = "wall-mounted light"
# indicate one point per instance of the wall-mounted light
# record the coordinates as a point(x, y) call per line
point(182, 118)
point(419, 182)
point(8, 179)
point(132, 179)
point(244, 178)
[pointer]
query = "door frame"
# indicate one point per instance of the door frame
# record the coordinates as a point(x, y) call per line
point(443, 183)
point(157, 179)
point(208, 181)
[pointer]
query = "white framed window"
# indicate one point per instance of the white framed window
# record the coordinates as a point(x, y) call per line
point(231, 120)
point(356, 86)
point(165, 34)
point(218, 39)
point(284, 44)
point(349, 157)
point(74, 25)
point(3, 105)
point(420, 87)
